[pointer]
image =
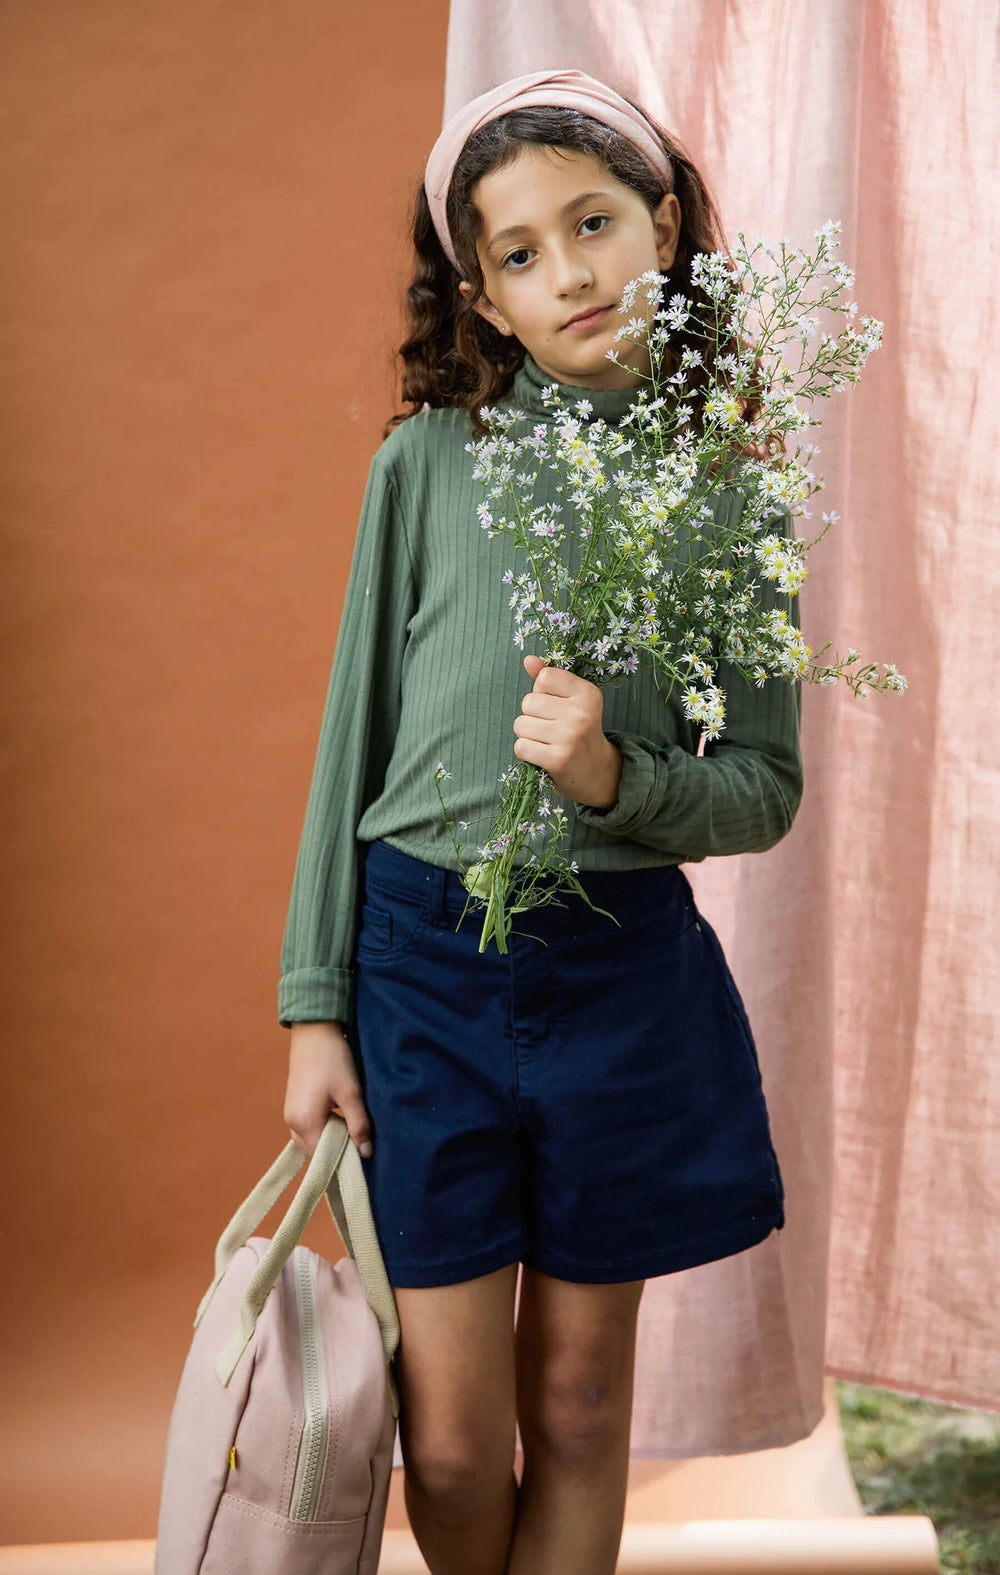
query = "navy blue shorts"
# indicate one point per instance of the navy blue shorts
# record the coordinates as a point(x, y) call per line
point(589, 1104)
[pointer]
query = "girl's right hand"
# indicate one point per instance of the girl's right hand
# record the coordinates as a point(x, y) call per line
point(322, 1076)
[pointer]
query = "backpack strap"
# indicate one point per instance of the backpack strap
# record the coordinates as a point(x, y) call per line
point(334, 1172)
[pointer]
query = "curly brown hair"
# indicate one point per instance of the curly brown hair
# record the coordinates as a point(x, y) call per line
point(452, 356)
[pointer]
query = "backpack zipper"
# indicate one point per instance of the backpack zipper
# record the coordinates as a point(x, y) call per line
point(315, 1403)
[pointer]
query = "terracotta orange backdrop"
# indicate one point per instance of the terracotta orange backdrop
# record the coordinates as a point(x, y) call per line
point(203, 211)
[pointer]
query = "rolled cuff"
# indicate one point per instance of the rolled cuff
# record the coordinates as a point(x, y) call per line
point(312, 995)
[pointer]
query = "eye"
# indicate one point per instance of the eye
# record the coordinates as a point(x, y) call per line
point(518, 253)
point(601, 218)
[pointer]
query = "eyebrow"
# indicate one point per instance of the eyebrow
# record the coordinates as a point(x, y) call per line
point(525, 229)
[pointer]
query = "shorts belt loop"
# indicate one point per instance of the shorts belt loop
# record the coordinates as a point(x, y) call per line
point(437, 912)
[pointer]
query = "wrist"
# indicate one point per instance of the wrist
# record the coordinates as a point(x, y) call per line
point(607, 796)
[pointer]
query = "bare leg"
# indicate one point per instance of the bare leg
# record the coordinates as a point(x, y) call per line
point(455, 1366)
point(575, 1365)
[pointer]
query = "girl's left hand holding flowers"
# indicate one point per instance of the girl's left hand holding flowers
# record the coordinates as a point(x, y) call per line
point(560, 731)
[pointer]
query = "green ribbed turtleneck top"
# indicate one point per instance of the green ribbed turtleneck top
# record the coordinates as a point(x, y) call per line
point(425, 669)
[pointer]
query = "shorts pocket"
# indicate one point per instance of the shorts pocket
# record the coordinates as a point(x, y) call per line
point(742, 1022)
point(388, 926)
point(632, 928)
point(732, 992)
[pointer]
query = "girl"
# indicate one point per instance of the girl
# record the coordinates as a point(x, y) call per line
point(590, 1104)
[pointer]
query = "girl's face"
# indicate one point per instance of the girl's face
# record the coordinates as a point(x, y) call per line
point(561, 236)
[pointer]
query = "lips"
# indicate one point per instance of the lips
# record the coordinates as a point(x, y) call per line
point(584, 321)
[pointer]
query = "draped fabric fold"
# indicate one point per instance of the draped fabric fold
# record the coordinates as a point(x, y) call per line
point(862, 942)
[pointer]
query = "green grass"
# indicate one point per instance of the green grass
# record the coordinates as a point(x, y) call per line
point(920, 1457)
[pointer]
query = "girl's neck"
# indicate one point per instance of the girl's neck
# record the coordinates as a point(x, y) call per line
point(529, 380)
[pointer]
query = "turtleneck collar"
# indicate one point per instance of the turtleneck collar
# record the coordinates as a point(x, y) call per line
point(529, 380)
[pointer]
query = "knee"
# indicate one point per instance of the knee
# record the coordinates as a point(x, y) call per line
point(575, 1420)
point(460, 1476)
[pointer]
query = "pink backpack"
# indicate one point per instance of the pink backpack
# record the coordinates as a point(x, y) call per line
point(280, 1447)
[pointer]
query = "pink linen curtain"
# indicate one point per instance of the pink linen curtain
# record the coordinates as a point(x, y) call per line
point(862, 943)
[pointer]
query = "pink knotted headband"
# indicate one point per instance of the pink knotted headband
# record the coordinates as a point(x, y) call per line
point(565, 90)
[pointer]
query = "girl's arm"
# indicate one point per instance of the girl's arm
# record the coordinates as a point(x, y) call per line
point(741, 796)
point(358, 730)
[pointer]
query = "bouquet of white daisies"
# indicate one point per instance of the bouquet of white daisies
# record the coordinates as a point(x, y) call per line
point(659, 581)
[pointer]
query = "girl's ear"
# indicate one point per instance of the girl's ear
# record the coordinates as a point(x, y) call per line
point(667, 226)
point(484, 306)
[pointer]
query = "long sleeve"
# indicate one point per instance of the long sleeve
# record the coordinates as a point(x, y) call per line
point(741, 796)
point(358, 730)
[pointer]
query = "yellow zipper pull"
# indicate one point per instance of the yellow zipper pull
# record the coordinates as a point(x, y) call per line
point(232, 1457)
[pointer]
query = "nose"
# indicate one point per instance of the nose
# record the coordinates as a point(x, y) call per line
point(570, 271)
